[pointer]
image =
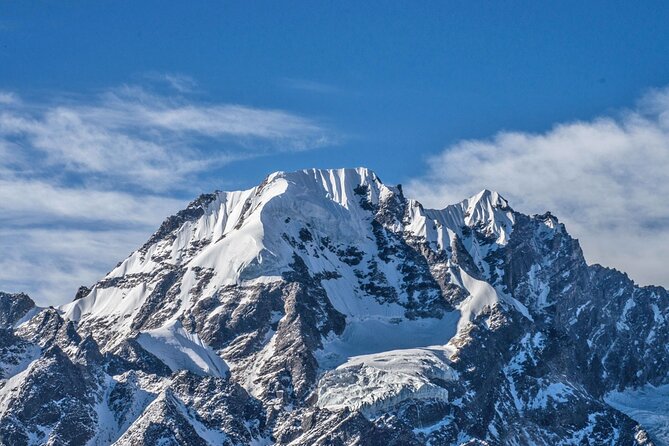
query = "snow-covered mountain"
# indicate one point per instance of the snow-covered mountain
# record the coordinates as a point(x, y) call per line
point(323, 307)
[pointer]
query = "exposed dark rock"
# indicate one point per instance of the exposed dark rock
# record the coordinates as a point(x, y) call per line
point(13, 307)
point(83, 291)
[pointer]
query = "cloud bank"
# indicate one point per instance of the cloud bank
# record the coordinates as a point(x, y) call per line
point(85, 180)
point(607, 179)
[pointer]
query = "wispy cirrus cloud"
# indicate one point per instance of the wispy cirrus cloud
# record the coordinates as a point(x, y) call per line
point(607, 179)
point(151, 141)
point(182, 83)
point(30, 203)
point(7, 97)
point(86, 179)
point(309, 86)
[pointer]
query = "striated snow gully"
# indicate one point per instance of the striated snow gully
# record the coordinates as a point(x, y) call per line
point(324, 307)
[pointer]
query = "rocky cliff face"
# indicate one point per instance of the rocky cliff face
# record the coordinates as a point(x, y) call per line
point(324, 307)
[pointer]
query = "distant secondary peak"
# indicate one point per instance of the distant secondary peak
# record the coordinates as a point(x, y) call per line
point(489, 211)
point(489, 198)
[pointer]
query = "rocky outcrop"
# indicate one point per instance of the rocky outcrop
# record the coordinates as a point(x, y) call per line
point(13, 308)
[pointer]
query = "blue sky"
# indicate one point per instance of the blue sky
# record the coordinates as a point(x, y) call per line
point(126, 110)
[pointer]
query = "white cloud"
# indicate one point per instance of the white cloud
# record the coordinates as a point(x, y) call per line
point(54, 238)
point(7, 97)
point(52, 263)
point(180, 82)
point(607, 179)
point(84, 181)
point(154, 142)
point(309, 86)
point(34, 202)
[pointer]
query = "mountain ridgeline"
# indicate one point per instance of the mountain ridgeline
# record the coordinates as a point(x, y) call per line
point(323, 307)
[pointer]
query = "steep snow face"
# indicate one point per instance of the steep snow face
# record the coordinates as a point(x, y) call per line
point(13, 384)
point(220, 233)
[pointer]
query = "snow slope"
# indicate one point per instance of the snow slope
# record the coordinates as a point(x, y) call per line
point(180, 350)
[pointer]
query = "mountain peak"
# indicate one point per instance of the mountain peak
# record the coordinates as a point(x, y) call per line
point(351, 173)
point(344, 186)
point(487, 211)
point(489, 199)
